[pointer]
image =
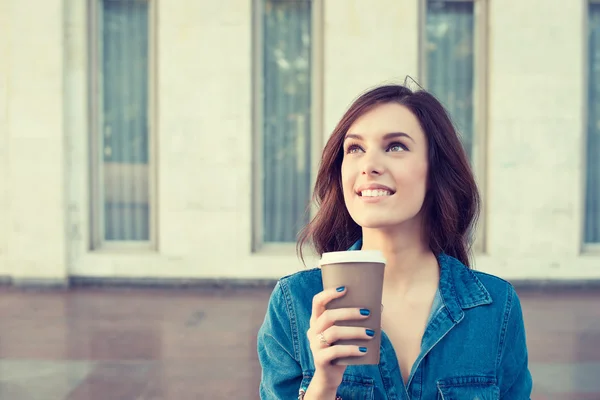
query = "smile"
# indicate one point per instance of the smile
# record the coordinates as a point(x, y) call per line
point(375, 193)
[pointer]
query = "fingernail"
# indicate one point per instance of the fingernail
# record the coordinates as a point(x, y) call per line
point(364, 311)
point(362, 349)
point(341, 288)
point(370, 332)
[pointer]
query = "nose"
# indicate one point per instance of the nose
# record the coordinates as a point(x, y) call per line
point(372, 165)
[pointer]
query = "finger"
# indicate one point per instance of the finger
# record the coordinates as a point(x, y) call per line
point(321, 299)
point(329, 317)
point(319, 341)
point(327, 355)
point(335, 333)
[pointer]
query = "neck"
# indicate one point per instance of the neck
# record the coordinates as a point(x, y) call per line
point(410, 262)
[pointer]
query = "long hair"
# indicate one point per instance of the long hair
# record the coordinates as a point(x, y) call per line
point(452, 203)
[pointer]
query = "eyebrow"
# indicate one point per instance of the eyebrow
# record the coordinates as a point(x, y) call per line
point(387, 136)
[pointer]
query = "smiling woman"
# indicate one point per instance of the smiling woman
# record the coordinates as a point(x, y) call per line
point(395, 178)
point(398, 118)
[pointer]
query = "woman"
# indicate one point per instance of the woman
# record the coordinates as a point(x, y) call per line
point(395, 178)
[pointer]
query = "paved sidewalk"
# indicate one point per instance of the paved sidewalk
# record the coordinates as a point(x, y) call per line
point(143, 344)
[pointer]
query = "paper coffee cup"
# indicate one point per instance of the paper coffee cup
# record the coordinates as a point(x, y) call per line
point(361, 272)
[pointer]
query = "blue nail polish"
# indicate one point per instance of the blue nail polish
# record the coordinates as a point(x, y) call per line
point(362, 349)
point(370, 332)
point(364, 311)
point(341, 288)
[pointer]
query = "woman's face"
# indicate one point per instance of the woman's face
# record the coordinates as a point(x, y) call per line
point(384, 169)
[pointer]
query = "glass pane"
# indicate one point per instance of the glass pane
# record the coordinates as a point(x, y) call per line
point(592, 198)
point(286, 118)
point(124, 116)
point(450, 62)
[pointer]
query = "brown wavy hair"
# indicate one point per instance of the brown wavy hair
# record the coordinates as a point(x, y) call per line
point(452, 203)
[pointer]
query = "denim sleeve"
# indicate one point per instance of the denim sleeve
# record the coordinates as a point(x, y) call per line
point(514, 376)
point(281, 372)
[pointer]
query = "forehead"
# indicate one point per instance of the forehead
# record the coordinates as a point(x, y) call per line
point(386, 118)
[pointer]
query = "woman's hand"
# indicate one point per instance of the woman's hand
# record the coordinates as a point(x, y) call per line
point(322, 336)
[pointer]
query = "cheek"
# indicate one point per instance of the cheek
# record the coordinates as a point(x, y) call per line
point(421, 175)
point(414, 177)
point(347, 179)
point(347, 172)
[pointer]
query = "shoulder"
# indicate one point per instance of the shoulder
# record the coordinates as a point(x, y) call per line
point(503, 294)
point(302, 276)
point(496, 286)
point(292, 297)
point(302, 286)
point(474, 287)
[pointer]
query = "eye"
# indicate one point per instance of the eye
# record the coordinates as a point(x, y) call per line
point(353, 148)
point(397, 147)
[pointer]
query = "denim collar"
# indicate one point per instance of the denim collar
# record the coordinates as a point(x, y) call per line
point(459, 286)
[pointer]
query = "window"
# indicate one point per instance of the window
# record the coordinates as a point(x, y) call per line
point(592, 196)
point(450, 65)
point(121, 139)
point(453, 69)
point(284, 119)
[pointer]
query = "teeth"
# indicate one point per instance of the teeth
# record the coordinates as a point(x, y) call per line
point(375, 193)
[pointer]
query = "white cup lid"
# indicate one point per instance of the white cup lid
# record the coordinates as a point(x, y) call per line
point(353, 256)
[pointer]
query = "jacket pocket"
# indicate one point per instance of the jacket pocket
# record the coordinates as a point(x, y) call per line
point(352, 387)
point(468, 388)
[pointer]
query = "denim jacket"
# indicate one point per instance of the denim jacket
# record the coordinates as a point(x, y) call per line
point(473, 347)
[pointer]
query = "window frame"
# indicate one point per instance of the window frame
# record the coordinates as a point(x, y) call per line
point(480, 100)
point(316, 123)
point(96, 190)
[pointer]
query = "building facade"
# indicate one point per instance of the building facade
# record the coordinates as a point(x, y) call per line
point(155, 139)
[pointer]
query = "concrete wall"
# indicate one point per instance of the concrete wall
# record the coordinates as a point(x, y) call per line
point(536, 139)
point(4, 70)
point(32, 138)
point(534, 166)
point(358, 57)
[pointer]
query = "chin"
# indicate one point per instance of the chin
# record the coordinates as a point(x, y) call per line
point(384, 222)
point(377, 223)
